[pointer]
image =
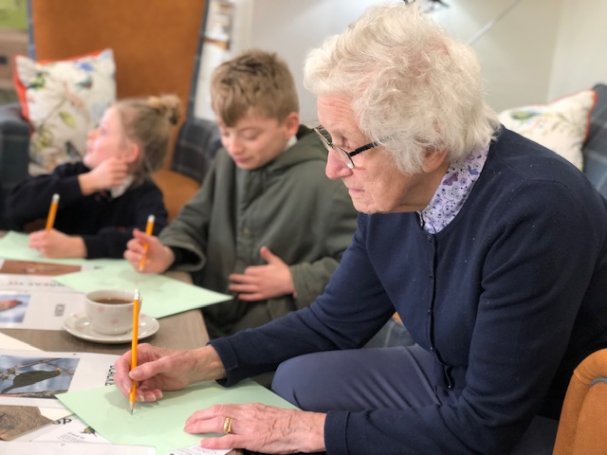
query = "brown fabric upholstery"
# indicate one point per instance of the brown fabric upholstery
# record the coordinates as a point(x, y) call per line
point(583, 423)
point(155, 43)
point(178, 187)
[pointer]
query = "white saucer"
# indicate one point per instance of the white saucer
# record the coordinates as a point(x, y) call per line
point(79, 325)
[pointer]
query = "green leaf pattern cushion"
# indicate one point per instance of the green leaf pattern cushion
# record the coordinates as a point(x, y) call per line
point(63, 100)
point(561, 126)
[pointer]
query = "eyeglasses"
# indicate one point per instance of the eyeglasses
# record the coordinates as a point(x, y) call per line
point(343, 155)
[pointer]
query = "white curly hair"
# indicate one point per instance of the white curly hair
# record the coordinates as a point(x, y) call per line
point(413, 88)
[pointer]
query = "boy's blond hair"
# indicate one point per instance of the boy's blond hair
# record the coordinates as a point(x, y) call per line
point(256, 82)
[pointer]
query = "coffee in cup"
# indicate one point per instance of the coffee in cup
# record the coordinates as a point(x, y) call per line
point(110, 311)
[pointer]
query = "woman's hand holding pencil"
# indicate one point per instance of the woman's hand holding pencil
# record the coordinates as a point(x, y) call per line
point(160, 369)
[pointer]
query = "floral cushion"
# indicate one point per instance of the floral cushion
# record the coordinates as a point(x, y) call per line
point(63, 100)
point(561, 126)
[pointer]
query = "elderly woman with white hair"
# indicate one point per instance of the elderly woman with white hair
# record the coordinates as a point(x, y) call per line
point(491, 248)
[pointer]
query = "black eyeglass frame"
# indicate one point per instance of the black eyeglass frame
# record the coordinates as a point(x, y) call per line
point(328, 143)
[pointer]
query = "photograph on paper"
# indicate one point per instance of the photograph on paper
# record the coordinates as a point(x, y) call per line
point(33, 378)
point(13, 306)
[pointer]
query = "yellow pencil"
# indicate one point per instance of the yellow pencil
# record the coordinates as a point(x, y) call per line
point(134, 341)
point(52, 212)
point(149, 227)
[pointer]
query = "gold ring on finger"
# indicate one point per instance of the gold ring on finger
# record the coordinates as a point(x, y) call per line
point(227, 425)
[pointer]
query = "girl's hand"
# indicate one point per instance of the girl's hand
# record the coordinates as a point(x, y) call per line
point(55, 244)
point(110, 173)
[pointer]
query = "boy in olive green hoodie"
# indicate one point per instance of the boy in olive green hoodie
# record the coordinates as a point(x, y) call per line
point(267, 225)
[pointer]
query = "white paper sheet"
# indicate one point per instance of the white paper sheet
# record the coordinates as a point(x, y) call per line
point(67, 429)
point(63, 448)
point(10, 343)
point(197, 450)
point(73, 431)
point(31, 299)
point(38, 309)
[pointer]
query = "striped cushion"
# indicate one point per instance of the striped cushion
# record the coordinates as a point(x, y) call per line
point(196, 147)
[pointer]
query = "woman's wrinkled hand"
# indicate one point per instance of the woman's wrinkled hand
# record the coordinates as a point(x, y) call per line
point(259, 428)
point(162, 369)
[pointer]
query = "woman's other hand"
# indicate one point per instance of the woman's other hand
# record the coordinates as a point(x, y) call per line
point(259, 428)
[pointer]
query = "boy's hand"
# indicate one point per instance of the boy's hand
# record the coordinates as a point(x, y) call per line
point(55, 244)
point(110, 173)
point(156, 259)
point(261, 282)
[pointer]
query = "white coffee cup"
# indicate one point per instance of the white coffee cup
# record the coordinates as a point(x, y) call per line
point(110, 311)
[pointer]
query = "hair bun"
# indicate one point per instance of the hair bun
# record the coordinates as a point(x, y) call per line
point(167, 105)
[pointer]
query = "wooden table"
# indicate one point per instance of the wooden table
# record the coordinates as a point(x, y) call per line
point(184, 330)
point(181, 331)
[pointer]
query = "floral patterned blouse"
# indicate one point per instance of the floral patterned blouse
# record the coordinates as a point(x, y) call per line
point(453, 191)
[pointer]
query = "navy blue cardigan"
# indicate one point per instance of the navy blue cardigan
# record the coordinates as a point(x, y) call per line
point(105, 224)
point(508, 297)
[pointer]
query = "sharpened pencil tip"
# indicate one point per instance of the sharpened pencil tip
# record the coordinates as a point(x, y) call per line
point(132, 407)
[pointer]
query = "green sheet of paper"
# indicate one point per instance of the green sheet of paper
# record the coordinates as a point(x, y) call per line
point(159, 424)
point(162, 296)
point(14, 246)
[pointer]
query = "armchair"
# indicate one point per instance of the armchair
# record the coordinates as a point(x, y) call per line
point(583, 421)
point(156, 44)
